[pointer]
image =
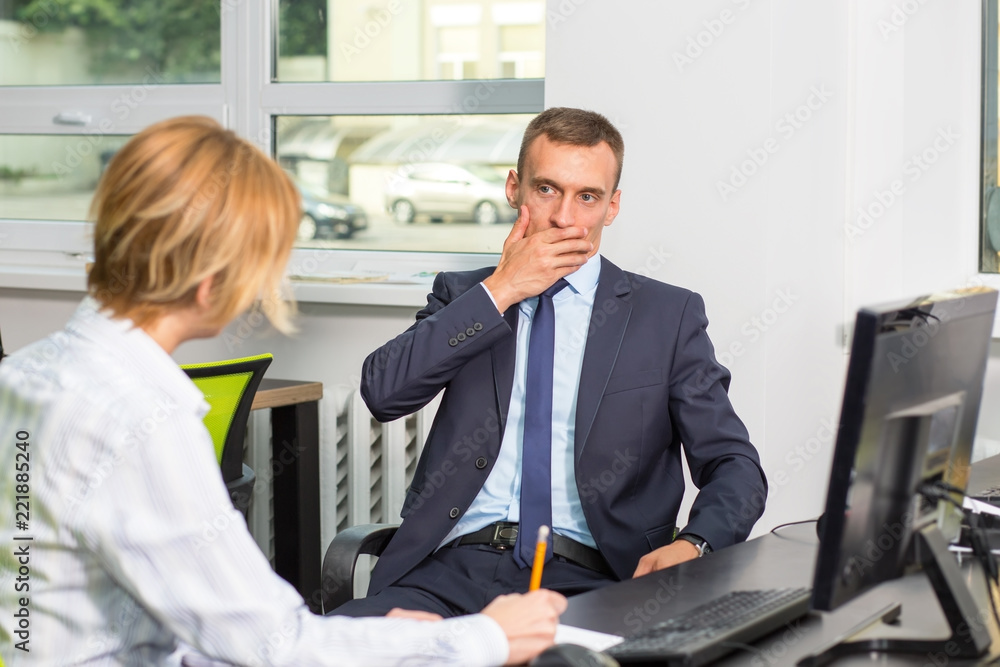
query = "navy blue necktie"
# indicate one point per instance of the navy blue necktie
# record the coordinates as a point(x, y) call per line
point(536, 453)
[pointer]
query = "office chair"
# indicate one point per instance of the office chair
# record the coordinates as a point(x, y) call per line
point(229, 387)
point(341, 559)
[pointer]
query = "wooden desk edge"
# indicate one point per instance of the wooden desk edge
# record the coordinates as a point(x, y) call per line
point(290, 393)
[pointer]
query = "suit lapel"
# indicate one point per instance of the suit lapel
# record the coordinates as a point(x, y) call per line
point(504, 352)
point(607, 329)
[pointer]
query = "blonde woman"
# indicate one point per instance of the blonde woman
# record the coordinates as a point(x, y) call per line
point(105, 450)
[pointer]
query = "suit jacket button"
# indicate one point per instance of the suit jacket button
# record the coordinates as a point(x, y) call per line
point(478, 326)
point(481, 462)
point(453, 342)
point(460, 336)
point(454, 513)
point(470, 332)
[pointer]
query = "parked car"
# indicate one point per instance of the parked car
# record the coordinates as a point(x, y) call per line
point(448, 192)
point(328, 216)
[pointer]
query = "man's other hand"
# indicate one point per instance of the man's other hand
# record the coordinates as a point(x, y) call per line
point(413, 614)
point(664, 557)
point(528, 620)
point(531, 264)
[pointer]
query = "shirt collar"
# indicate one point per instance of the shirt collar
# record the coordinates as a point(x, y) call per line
point(585, 278)
point(135, 347)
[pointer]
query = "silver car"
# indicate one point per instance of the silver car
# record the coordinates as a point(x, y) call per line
point(443, 191)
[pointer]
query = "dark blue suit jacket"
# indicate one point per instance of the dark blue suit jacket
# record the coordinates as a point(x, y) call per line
point(649, 386)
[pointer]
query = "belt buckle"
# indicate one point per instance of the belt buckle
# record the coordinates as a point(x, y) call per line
point(504, 535)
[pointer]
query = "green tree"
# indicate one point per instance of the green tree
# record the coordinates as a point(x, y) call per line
point(303, 27)
point(176, 39)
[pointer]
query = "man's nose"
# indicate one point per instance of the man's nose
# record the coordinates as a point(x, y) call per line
point(562, 214)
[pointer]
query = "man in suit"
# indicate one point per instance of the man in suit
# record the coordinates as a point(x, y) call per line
point(634, 381)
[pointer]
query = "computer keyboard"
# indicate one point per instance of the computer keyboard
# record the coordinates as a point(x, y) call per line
point(710, 630)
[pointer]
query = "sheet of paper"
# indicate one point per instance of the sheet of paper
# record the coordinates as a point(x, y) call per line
point(980, 507)
point(596, 641)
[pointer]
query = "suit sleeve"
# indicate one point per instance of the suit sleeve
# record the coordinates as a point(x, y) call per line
point(724, 465)
point(458, 323)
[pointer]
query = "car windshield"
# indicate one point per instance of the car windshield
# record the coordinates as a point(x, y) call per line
point(488, 174)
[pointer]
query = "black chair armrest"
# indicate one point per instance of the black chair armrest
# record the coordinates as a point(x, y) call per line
point(337, 582)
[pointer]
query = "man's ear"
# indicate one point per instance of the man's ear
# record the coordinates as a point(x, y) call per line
point(513, 189)
point(613, 207)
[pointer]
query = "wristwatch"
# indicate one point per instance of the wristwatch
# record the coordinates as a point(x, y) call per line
point(703, 546)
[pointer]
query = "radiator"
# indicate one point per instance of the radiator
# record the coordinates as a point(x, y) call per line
point(365, 468)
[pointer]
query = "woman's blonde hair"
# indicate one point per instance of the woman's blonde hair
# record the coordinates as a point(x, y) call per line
point(184, 200)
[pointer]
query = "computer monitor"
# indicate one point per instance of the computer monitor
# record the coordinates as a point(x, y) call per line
point(909, 414)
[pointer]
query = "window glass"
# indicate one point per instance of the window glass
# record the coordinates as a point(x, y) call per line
point(410, 40)
point(80, 42)
point(990, 187)
point(421, 183)
point(52, 177)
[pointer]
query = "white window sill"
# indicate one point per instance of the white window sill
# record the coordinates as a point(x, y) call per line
point(53, 256)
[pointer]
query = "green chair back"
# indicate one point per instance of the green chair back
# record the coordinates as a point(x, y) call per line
point(229, 387)
point(223, 394)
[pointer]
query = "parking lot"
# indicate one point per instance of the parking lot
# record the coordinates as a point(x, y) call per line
point(383, 233)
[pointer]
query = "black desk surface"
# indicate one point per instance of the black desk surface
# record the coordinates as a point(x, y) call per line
point(984, 474)
point(774, 561)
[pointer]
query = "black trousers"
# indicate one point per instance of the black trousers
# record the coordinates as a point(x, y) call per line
point(460, 580)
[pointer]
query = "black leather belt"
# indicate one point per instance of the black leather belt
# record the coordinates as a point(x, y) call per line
point(503, 535)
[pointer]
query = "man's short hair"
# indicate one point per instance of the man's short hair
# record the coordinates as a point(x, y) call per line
point(184, 200)
point(576, 127)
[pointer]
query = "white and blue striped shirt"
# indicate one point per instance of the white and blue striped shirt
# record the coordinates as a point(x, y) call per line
point(129, 543)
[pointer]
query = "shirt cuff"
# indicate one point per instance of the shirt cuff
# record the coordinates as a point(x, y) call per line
point(482, 640)
point(490, 294)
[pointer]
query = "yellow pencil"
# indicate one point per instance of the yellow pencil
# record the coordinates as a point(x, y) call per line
point(536, 567)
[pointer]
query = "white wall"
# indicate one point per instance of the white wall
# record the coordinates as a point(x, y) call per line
point(775, 243)
point(702, 88)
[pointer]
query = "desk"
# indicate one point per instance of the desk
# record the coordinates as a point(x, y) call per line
point(773, 561)
point(295, 483)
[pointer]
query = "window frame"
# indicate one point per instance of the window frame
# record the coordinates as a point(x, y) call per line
point(987, 261)
point(52, 254)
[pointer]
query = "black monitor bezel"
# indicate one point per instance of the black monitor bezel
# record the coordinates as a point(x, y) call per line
point(870, 322)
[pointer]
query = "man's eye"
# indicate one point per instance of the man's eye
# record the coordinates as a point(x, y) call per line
point(544, 189)
point(587, 197)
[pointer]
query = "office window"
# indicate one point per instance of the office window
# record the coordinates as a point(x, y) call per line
point(83, 42)
point(990, 185)
point(421, 183)
point(52, 177)
point(409, 40)
point(349, 95)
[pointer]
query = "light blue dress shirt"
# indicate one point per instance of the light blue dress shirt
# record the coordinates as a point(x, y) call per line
point(499, 499)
